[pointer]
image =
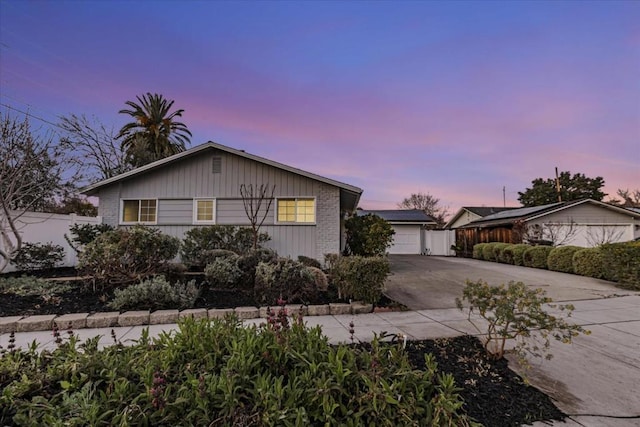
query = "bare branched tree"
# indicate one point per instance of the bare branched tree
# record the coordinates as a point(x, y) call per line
point(254, 199)
point(33, 176)
point(555, 233)
point(599, 235)
point(427, 203)
point(629, 199)
point(97, 154)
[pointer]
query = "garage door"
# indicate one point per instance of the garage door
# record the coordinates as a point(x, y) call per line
point(406, 240)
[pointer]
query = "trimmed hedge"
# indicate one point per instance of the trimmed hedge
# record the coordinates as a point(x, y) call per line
point(487, 252)
point(498, 251)
point(512, 254)
point(561, 259)
point(361, 278)
point(536, 256)
point(478, 250)
point(588, 262)
point(622, 261)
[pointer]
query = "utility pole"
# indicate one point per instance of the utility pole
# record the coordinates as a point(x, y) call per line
point(504, 196)
point(558, 186)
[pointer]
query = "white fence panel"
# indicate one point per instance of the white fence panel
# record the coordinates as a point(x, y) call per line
point(438, 242)
point(38, 227)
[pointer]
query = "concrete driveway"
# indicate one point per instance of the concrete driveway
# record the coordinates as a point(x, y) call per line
point(427, 282)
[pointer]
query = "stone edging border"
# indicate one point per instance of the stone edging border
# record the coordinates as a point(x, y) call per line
point(47, 322)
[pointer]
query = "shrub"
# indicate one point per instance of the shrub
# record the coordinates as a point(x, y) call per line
point(361, 278)
point(309, 262)
point(498, 251)
point(38, 256)
point(478, 251)
point(320, 279)
point(128, 255)
point(367, 235)
point(199, 240)
point(284, 279)
point(513, 254)
point(223, 272)
point(536, 256)
point(588, 262)
point(512, 313)
point(488, 253)
point(561, 258)
point(248, 262)
point(83, 234)
point(234, 375)
point(155, 294)
point(33, 286)
point(623, 263)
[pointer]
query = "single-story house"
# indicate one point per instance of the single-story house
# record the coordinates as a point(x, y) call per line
point(408, 225)
point(584, 222)
point(466, 214)
point(201, 186)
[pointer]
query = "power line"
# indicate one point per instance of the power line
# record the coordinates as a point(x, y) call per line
point(31, 115)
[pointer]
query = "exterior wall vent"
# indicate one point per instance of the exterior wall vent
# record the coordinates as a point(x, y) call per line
point(216, 164)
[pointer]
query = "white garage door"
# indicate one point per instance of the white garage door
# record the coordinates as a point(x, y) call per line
point(406, 240)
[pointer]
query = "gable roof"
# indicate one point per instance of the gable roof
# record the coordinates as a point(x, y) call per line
point(531, 213)
point(348, 193)
point(407, 216)
point(477, 210)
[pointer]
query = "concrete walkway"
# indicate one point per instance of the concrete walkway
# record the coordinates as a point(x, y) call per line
point(597, 375)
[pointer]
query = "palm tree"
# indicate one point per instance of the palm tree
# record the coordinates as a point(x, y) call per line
point(154, 134)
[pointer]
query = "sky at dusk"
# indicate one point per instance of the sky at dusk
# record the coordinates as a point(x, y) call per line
point(456, 99)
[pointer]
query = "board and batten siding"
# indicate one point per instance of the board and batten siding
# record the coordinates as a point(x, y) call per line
point(176, 185)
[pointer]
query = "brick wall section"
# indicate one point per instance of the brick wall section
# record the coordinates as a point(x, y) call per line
point(328, 221)
point(109, 205)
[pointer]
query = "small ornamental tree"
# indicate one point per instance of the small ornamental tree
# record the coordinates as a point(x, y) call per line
point(368, 235)
point(515, 312)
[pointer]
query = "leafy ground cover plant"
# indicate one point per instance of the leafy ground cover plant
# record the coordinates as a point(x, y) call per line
point(155, 294)
point(26, 286)
point(284, 279)
point(220, 373)
point(127, 255)
point(224, 272)
point(38, 256)
point(517, 313)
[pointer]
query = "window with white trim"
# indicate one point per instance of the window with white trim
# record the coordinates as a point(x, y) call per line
point(143, 211)
point(204, 211)
point(298, 210)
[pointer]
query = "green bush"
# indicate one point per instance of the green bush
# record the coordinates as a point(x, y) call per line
point(561, 258)
point(223, 272)
point(367, 235)
point(38, 256)
point(222, 373)
point(284, 279)
point(361, 278)
point(248, 262)
point(588, 262)
point(536, 256)
point(498, 251)
point(155, 294)
point(320, 278)
point(478, 251)
point(309, 262)
point(200, 240)
point(488, 252)
point(83, 234)
point(513, 254)
point(127, 255)
point(623, 263)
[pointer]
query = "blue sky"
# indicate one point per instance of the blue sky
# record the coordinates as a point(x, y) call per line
point(457, 99)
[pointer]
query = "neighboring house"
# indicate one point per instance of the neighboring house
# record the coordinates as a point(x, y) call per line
point(201, 186)
point(585, 223)
point(408, 225)
point(466, 214)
